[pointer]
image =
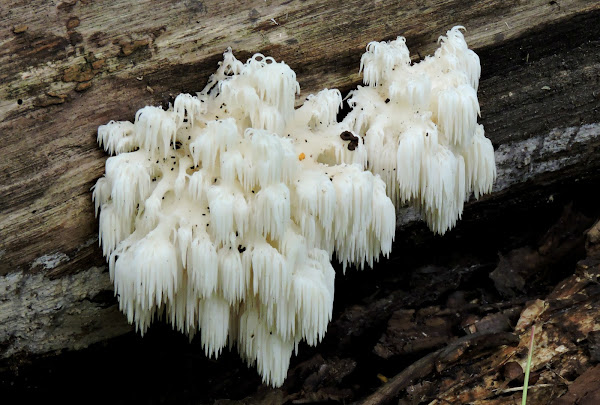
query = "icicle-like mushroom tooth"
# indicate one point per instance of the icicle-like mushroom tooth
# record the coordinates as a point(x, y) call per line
point(155, 129)
point(439, 201)
point(114, 227)
point(457, 113)
point(273, 357)
point(130, 181)
point(412, 89)
point(313, 300)
point(272, 210)
point(198, 184)
point(268, 154)
point(117, 137)
point(409, 156)
point(319, 109)
point(383, 223)
point(248, 345)
point(454, 44)
point(233, 279)
point(480, 164)
point(270, 274)
point(314, 194)
point(202, 265)
point(100, 193)
point(381, 58)
point(146, 276)
point(221, 201)
point(214, 324)
point(187, 109)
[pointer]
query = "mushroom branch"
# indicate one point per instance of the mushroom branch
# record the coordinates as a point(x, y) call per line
point(223, 213)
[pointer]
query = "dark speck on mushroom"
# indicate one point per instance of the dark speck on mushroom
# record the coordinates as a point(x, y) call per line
point(349, 136)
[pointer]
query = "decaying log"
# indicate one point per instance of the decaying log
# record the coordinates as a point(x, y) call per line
point(468, 371)
point(67, 67)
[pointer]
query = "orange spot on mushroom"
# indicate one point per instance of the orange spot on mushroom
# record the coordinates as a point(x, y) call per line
point(301, 156)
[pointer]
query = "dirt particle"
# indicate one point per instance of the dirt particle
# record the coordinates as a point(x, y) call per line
point(127, 48)
point(72, 23)
point(78, 73)
point(349, 136)
point(99, 64)
point(66, 5)
point(50, 98)
point(83, 86)
point(512, 370)
point(19, 29)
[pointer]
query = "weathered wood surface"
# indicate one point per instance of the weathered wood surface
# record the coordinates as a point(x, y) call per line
point(485, 362)
point(67, 67)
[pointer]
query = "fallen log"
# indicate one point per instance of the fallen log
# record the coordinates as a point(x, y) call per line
point(67, 68)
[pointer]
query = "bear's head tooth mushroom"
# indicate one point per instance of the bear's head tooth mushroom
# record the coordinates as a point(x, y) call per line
point(420, 121)
point(223, 212)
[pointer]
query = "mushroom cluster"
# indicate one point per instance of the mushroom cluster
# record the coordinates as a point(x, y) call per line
point(223, 212)
point(419, 122)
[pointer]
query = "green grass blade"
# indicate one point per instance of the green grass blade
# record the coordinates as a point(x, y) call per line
point(528, 368)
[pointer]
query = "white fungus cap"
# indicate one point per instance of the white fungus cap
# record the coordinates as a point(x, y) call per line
point(419, 123)
point(222, 213)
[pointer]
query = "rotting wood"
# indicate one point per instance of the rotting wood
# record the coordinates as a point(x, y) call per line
point(470, 373)
point(426, 365)
point(68, 68)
